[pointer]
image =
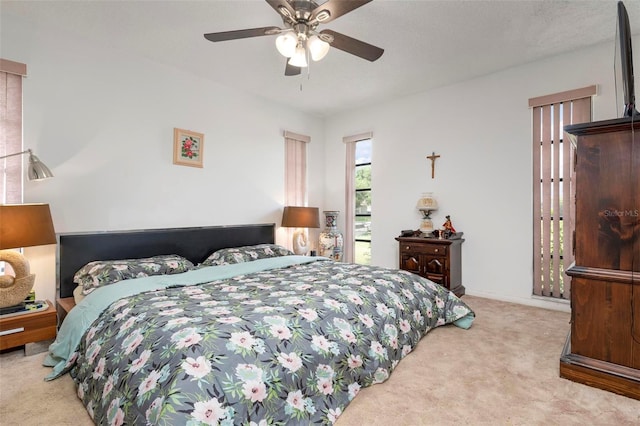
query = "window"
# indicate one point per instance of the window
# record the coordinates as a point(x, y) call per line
point(553, 188)
point(358, 199)
point(362, 231)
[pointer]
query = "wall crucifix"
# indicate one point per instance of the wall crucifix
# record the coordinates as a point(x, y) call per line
point(433, 158)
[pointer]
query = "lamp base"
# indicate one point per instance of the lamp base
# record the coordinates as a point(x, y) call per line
point(300, 241)
point(13, 290)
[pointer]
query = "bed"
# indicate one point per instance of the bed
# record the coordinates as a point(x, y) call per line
point(249, 334)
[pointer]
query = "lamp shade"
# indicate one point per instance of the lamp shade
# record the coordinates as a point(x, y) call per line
point(317, 47)
point(299, 58)
point(286, 44)
point(427, 202)
point(25, 225)
point(301, 217)
point(36, 169)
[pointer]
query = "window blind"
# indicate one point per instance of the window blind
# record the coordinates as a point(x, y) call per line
point(295, 176)
point(11, 75)
point(553, 188)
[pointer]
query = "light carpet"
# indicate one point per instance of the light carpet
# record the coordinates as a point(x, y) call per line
point(502, 371)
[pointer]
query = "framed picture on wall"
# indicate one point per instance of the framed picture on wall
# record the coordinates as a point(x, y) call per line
point(188, 148)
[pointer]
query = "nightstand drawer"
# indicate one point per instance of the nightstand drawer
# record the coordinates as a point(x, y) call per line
point(19, 330)
point(432, 249)
point(437, 278)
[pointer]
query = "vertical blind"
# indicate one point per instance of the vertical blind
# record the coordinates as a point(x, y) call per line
point(11, 75)
point(295, 169)
point(554, 188)
point(295, 175)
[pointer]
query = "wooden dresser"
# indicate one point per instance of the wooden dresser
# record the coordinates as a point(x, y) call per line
point(439, 260)
point(603, 347)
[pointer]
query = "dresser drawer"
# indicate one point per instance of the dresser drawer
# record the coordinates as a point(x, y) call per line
point(431, 249)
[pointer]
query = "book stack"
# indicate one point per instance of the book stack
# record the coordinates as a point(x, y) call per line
point(29, 305)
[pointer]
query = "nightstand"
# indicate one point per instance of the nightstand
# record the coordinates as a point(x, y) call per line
point(18, 330)
point(64, 305)
point(439, 260)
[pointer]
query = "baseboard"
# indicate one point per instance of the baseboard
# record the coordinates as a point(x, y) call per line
point(535, 301)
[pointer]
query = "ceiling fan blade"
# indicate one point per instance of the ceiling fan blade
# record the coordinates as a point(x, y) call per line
point(336, 8)
point(291, 69)
point(233, 35)
point(284, 9)
point(355, 47)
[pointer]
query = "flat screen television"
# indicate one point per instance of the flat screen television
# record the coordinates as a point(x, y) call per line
point(624, 73)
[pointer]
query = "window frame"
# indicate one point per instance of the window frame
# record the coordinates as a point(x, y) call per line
point(350, 199)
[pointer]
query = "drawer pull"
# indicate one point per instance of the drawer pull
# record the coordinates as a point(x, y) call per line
point(12, 331)
point(435, 251)
point(407, 248)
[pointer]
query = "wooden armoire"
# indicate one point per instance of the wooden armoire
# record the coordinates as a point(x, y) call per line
point(603, 347)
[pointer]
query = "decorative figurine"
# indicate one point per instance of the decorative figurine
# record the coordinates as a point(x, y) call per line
point(448, 226)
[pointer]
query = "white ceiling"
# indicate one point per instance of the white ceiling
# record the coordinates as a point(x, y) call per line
point(427, 43)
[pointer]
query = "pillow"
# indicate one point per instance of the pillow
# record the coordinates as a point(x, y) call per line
point(233, 255)
point(104, 272)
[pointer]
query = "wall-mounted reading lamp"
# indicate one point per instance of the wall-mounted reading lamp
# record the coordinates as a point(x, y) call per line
point(36, 169)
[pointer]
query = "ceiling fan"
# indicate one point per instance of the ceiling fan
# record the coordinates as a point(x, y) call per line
point(299, 38)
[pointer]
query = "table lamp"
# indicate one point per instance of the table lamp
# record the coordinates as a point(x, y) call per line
point(427, 204)
point(21, 225)
point(301, 218)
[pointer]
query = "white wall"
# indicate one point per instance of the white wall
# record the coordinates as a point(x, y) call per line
point(483, 179)
point(103, 121)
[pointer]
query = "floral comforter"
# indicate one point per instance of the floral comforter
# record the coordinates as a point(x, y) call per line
point(289, 345)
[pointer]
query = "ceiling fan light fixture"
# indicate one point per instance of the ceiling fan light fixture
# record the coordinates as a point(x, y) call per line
point(286, 44)
point(299, 59)
point(317, 47)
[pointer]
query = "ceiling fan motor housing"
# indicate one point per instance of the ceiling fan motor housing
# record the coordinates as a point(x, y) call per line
point(303, 9)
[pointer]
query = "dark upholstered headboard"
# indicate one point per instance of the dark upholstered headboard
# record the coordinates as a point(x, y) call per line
point(77, 249)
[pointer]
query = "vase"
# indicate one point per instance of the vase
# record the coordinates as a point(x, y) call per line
point(331, 240)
